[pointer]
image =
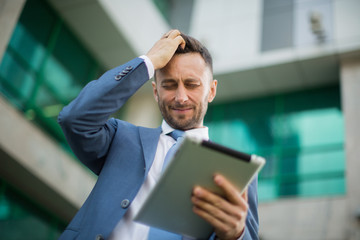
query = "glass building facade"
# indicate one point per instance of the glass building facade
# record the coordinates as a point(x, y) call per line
point(21, 218)
point(300, 134)
point(43, 69)
point(44, 66)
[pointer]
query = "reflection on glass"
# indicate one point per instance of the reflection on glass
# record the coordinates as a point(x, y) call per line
point(301, 135)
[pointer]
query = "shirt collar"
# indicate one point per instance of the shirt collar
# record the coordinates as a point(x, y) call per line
point(202, 132)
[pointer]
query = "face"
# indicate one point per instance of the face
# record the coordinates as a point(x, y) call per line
point(183, 89)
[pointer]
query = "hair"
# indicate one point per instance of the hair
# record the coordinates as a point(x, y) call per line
point(194, 46)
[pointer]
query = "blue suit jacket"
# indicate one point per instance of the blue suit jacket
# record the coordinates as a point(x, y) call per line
point(120, 153)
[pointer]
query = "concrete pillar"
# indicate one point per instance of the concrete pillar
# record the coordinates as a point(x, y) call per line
point(9, 13)
point(35, 164)
point(350, 92)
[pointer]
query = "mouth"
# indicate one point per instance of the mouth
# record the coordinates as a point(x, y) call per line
point(181, 110)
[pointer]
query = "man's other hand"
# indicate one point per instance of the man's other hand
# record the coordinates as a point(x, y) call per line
point(226, 214)
point(163, 50)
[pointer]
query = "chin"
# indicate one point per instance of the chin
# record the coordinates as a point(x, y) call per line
point(184, 124)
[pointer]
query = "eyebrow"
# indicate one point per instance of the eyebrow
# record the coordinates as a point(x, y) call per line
point(167, 81)
point(172, 81)
point(192, 80)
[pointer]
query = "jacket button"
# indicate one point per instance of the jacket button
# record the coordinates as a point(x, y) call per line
point(121, 74)
point(125, 203)
point(99, 237)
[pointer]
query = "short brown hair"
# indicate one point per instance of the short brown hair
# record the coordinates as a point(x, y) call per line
point(194, 46)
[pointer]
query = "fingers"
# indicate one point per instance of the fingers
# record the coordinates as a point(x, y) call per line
point(173, 33)
point(166, 35)
point(244, 195)
point(226, 214)
point(220, 222)
point(211, 204)
point(231, 192)
point(181, 41)
point(163, 50)
point(217, 206)
point(176, 35)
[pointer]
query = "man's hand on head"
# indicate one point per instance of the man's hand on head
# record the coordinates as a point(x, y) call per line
point(164, 49)
point(226, 214)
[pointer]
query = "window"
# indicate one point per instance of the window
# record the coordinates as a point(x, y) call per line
point(176, 13)
point(301, 135)
point(277, 24)
point(295, 23)
point(44, 66)
point(19, 217)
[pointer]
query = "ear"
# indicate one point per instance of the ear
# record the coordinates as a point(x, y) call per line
point(212, 91)
point(155, 91)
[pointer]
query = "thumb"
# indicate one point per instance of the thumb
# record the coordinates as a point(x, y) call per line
point(244, 195)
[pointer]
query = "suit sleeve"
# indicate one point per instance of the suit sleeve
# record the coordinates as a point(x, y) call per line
point(85, 121)
point(252, 220)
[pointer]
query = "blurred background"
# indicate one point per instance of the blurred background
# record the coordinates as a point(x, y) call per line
point(289, 86)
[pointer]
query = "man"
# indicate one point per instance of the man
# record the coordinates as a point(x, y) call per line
point(128, 159)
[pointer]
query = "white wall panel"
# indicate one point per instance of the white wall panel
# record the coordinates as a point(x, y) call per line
point(347, 19)
point(230, 29)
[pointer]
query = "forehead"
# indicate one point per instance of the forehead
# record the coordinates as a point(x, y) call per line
point(185, 66)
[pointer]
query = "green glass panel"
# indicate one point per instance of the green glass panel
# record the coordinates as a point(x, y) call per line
point(31, 51)
point(45, 97)
point(267, 190)
point(327, 187)
point(73, 57)
point(60, 81)
point(5, 208)
point(39, 19)
point(309, 128)
point(321, 162)
point(234, 134)
point(15, 80)
point(301, 135)
point(21, 219)
point(44, 67)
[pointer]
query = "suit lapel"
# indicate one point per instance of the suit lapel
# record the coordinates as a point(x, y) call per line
point(149, 140)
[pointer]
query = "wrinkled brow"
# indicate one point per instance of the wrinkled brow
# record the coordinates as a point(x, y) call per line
point(167, 80)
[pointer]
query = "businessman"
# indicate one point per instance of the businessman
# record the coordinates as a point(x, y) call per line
point(128, 159)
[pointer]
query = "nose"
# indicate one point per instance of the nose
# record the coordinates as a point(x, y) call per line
point(181, 94)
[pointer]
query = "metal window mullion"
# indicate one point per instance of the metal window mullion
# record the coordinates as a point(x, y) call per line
point(279, 113)
point(54, 35)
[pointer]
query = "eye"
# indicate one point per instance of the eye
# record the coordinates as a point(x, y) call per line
point(192, 85)
point(169, 86)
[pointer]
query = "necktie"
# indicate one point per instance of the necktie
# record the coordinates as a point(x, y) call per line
point(155, 233)
point(177, 135)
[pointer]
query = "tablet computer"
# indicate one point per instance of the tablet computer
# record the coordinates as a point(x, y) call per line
point(195, 162)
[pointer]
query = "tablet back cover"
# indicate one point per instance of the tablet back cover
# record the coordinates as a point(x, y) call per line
point(169, 206)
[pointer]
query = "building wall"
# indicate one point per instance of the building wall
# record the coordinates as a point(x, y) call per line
point(350, 88)
point(231, 31)
point(35, 164)
point(301, 218)
point(9, 13)
point(41, 184)
point(288, 68)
